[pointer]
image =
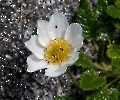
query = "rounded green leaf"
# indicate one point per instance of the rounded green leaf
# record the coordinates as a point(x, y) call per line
point(105, 94)
point(117, 25)
point(117, 3)
point(113, 51)
point(84, 61)
point(113, 11)
point(115, 63)
point(91, 81)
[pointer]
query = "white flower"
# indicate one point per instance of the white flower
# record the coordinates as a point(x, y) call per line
point(55, 46)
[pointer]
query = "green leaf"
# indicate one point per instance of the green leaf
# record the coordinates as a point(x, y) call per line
point(117, 3)
point(113, 51)
point(96, 23)
point(105, 94)
point(101, 7)
point(113, 11)
point(116, 85)
point(85, 17)
point(117, 23)
point(115, 63)
point(63, 98)
point(84, 61)
point(106, 29)
point(91, 81)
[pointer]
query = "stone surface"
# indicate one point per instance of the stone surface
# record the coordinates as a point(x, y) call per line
point(17, 23)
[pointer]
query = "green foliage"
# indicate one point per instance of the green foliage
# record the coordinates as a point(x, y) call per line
point(116, 85)
point(88, 21)
point(117, 3)
point(95, 23)
point(84, 61)
point(105, 94)
point(113, 11)
point(117, 24)
point(101, 26)
point(63, 98)
point(116, 63)
point(91, 81)
point(113, 51)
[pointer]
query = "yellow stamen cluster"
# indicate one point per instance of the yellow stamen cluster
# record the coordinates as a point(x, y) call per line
point(57, 51)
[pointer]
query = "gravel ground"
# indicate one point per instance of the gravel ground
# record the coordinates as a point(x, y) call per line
point(17, 23)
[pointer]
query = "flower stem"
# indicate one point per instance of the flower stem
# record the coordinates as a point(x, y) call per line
point(72, 78)
point(111, 82)
point(109, 41)
point(95, 45)
point(114, 73)
point(75, 82)
point(98, 66)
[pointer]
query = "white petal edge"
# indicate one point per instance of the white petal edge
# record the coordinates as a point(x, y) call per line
point(78, 42)
point(73, 58)
point(42, 31)
point(55, 71)
point(33, 45)
point(72, 31)
point(35, 64)
point(58, 25)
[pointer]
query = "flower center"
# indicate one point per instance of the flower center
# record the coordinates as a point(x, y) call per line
point(57, 51)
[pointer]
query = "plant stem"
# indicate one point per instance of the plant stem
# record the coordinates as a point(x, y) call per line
point(72, 78)
point(95, 45)
point(111, 82)
point(109, 40)
point(102, 66)
point(98, 66)
point(75, 82)
point(114, 73)
point(105, 66)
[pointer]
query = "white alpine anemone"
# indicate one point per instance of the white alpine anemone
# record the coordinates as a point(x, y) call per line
point(55, 46)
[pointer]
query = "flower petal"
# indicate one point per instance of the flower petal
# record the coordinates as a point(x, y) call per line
point(35, 64)
point(55, 71)
point(35, 47)
point(61, 68)
point(42, 31)
point(78, 42)
point(58, 25)
point(73, 31)
point(72, 59)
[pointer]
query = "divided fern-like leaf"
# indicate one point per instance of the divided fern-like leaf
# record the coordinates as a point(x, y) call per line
point(95, 23)
point(84, 61)
point(91, 81)
point(106, 29)
point(85, 17)
point(105, 94)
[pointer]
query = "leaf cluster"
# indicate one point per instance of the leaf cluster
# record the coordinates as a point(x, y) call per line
point(100, 26)
point(95, 22)
point(99, 79)
point(114, 11)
